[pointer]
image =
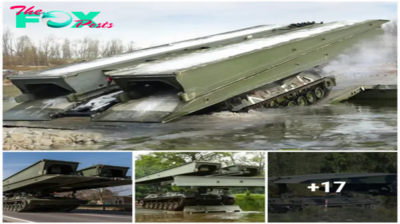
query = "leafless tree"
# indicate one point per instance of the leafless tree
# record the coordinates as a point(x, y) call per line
point(113, 47)
point(51, 51)
point(66, 49)
point(130, 47)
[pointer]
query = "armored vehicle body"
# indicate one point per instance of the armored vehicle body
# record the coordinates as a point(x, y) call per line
point(265, 66)
point(38, 187)
point(204, 187)
point(176, 201)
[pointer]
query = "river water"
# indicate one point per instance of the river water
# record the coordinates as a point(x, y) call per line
point(343, 126)
point(144, 215)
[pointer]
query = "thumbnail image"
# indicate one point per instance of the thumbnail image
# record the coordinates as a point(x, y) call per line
point(332, 187)
point(67, 187)
point(200, 187)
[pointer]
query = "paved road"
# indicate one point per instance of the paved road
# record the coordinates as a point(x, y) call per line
point(74, 216)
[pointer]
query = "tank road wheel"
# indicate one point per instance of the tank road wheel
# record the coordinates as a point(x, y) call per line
point(23, 205)
point(159, 205)
point(272, 104)
point(319, 93)
point(302, 101)
point(329, 84)
point(141, 203)
point(175, 205)
point(311, 97)
point(165, 206)
point(151, 205)
point(146, 205)
point(291, 104)
point(170, 205)
point(19, 207)
point(14, 207)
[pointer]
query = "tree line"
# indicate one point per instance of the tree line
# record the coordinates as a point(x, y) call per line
point(154, 162)
point(52, 50)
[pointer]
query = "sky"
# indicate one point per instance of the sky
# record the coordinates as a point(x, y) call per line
point(16, 161)
point(152, 23)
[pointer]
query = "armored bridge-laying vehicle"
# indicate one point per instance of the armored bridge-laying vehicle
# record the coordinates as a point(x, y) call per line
point(363, 183)
point(203, 187)
point(39, 186)
point(264, 66)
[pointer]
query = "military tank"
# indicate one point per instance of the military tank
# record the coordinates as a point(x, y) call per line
point(369, 183)
point(265, 66)
point(51, 185)
point(210, 191)
point(177, 201)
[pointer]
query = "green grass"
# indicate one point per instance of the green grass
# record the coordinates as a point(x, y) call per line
point(252, 202)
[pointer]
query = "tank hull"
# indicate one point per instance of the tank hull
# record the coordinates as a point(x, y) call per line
point(38, 204)
point(179, 201)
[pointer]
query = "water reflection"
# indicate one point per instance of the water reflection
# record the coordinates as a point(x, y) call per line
point(159, 216)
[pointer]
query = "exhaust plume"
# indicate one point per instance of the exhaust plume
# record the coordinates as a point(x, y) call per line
point(368, 58)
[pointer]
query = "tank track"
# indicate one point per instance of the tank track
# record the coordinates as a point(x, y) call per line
point(309, 94)
point(178, 204)
point(171, 204)
point(25, 205)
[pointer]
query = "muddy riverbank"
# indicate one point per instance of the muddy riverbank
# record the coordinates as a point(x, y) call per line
point(42, 139)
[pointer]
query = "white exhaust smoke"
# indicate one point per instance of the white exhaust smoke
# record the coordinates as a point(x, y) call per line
point(369, 58)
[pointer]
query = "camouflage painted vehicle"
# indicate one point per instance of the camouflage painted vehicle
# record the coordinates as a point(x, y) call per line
point(363, 183)
point(203, 187)
point(265, 66)
point(177, 201)
point(43, 185)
